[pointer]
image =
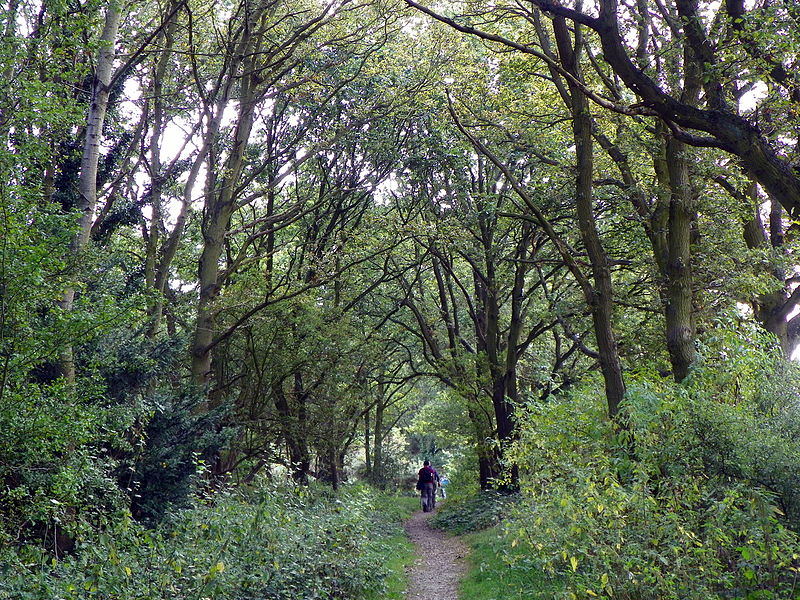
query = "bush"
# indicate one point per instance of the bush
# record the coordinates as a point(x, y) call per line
point(661, 521)
point(748, 425)
point(164, 472)
point(56, 471)
point(698, 498)
point(272, 542)
point(502, 571)
point(475, 512)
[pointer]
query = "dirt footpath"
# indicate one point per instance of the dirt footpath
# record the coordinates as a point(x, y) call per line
point(440, 563)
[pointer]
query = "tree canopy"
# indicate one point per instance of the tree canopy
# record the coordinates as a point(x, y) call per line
point(317, 241)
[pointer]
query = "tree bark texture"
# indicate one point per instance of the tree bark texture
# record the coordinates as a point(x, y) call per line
point(378, 473)
point(219, 207)
point(87, 180)
point(601, 299)
point(772, 309)
point(728, 130)
point(293, 424)
point(680, 306)
point(159, 254)
point(367, 444)
point(488, 467)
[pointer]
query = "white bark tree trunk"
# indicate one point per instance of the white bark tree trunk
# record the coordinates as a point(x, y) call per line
point(87, 181)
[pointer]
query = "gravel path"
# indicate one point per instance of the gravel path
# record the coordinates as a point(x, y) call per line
point(440, 563)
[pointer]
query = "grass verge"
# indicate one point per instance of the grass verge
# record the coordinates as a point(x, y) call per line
point(396, 509)
point(499, 572)
point(396, 549)
point(399, 552)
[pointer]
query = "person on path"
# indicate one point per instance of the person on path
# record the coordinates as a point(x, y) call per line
point(443, 481)
point(427, 479)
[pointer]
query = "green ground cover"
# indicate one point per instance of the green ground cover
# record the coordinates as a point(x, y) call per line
point(281, 543)
point(500, 571)
point(399, 553)
point(499, 568)
point(397, 550)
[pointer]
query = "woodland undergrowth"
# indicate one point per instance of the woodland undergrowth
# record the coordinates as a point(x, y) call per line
point(696, 499)
point(269, 541)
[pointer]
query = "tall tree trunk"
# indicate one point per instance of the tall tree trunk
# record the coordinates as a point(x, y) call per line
point(601, 299)
point(503, 407)
point(679, 309)
point(332, 467)
point(87, 181)
point(367, 442)
point(159, 256)
point(220, 197)
point(509, 379)
point(301, 457)
point(488, 469)
point(292, 421)
point(328, 460)
point(486, 370)
point(680, 329)
point(774, 308)
point(220, 205)
point(378, 475)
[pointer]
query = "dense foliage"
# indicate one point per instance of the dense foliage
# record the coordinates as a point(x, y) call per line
point(269, 542)
point(550, 246)
point(696, 499)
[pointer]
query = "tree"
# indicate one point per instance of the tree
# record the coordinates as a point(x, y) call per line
point(472, 298)
point(726, 128)
point(308, 43)
point(697, 99)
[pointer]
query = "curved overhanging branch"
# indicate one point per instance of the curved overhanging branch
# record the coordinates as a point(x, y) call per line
point(624, 109)
point(726, 130)
point(520, 190)
point(733, 133)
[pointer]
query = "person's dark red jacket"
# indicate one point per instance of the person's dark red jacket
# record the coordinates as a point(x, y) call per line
point(432, 475)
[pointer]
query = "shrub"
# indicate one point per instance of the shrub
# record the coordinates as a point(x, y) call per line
point(56, 473)
point(162, 474)
point(270, 542)
point(474, 512)
point(703, 503)
point(656, 523)
point(501, 571)
point(745, 414)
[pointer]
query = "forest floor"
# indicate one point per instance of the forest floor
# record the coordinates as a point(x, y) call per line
point(440, 562)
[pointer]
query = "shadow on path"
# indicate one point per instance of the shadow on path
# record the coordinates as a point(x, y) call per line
point(440, 562)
